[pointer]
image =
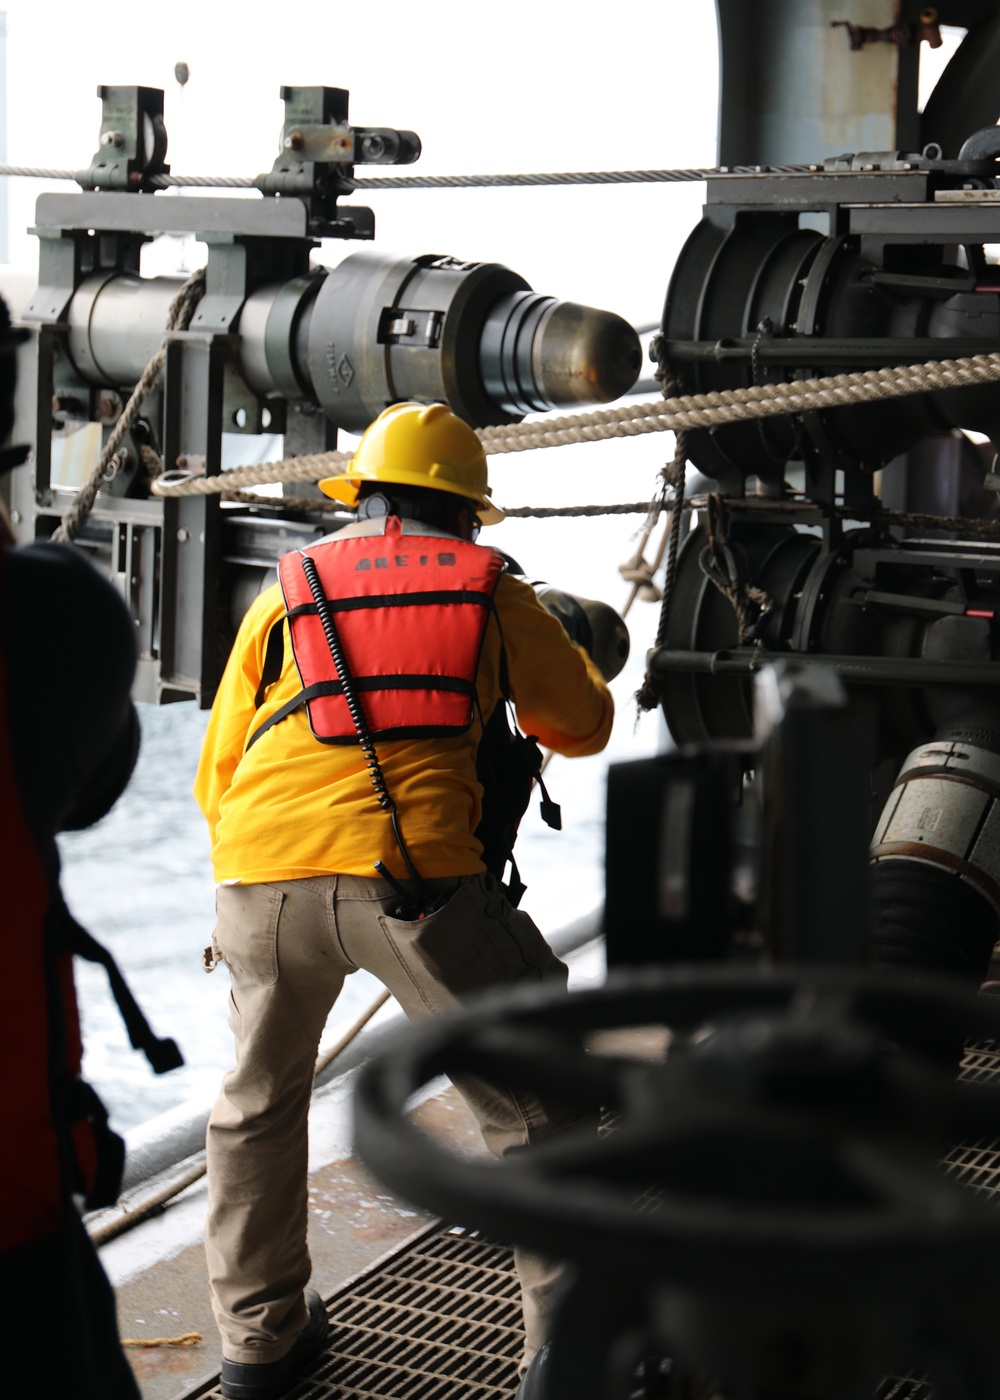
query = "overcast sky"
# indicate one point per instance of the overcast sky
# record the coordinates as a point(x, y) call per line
point(523, 86)
point(518, 87)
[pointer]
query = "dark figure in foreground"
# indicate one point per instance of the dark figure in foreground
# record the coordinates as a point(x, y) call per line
point(69, 737)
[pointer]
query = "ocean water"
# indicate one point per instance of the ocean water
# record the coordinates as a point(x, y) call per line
point(141, 881)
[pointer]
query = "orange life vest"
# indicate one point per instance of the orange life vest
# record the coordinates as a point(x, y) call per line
point(410, 612)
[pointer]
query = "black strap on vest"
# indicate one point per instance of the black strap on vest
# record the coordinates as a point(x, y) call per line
point(397, 600)
point(508, 763)
point(274, 655)
point(454, 684)
point(550, 811)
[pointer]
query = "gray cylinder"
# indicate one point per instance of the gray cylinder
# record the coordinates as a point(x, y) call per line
point(378, 330)
point(273, 328)
point(538, 353)
point(387, 329)
point(116, 322)
point(945, 811)
point(472, 335)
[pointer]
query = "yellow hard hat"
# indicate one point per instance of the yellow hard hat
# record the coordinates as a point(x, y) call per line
point(413, 444)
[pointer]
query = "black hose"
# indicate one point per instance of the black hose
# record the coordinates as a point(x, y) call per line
point(926, 917)
point(928, 920)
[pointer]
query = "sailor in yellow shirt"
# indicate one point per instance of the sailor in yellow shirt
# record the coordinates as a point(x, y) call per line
point(358, 820)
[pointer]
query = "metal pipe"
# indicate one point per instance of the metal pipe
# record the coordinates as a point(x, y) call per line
point(858, 670)
point(375, 330)
point(116, 324)
point(810, 351)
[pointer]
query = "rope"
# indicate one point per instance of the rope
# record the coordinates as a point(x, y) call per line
point(111, 1229)
point(160, 182)
point(202, 182)
point(951, 524)
point(178, 318)
point(326, 1060)
point(578, 177)
point(738, 405)
point(186, 1339)
point(320, 504)
point(680, 175)
point(657, 416)
point(718, 563)
point(638, 571)
point(37, 172)
point(151, 460)
point(310, 467)
point(648, 696)
point(549, 512)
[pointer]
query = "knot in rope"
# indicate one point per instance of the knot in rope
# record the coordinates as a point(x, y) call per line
point(720, 566)
point(640, 574)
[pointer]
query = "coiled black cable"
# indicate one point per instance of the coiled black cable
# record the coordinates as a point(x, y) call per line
point(360, 722)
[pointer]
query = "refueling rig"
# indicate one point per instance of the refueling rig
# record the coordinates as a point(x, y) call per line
point(275, 344)
point(769, 1217)
point(796, 1239)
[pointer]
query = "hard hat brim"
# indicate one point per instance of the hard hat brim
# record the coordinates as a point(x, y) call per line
point(344, 488)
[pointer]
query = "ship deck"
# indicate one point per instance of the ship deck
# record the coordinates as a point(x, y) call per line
point(418, 1310)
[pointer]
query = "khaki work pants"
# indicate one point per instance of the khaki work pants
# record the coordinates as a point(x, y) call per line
point(289, 947)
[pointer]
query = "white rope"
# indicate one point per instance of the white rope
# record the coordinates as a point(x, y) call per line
point(656, 416)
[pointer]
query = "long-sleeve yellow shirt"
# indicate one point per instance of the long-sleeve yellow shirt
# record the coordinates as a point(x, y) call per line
point(291, 807)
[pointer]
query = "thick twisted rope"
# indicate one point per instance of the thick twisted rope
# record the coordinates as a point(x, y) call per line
point(724, 406)
point(309, 467)
point(178, 318)
point(656, 416)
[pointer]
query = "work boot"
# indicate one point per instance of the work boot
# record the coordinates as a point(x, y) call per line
point(269, 1380)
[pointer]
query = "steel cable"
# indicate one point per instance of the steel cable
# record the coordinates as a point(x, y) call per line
point(679, 175)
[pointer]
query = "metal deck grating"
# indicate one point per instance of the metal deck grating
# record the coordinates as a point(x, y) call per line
point(440, 1318)
point(904, 1388)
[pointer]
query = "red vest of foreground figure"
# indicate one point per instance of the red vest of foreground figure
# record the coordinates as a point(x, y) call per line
point(40, 1049)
